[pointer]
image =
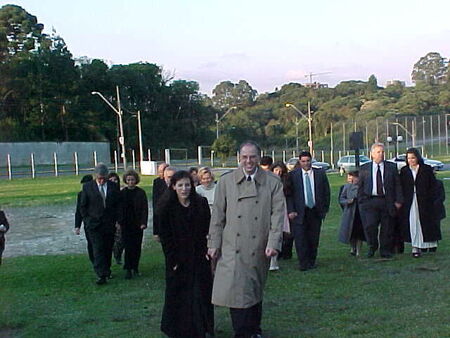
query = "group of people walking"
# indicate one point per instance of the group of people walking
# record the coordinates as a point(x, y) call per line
point(112, 218)
point(385, 207)
point(220, 239)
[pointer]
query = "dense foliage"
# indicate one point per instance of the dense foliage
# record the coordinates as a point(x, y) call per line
point(45, 95)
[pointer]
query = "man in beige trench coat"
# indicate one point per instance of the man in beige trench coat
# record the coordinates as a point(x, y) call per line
point(245, 231)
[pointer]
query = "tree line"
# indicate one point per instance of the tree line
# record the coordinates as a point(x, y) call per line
point(46, 95)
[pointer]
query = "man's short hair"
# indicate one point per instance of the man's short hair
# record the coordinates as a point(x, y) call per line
point(86, 178)
point(169, 168)
point(101, 170)
point(376, 145)
point(250, 143)
point(266, 160)
point(304, 153)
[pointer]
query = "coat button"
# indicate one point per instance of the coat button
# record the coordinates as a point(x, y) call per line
point(239, 216)
point(256, 202)
point(238, 234)
point(237, 251)
point(253, 236)
point(253, 253)
point(256, 218)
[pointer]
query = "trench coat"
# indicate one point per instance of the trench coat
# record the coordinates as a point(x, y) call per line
point(247, 218)
point(426, 192)
point(349, 191)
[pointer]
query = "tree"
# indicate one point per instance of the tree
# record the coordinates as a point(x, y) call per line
point(228, 94)
point(430, 69)
point(224, 146)
point(372, 84)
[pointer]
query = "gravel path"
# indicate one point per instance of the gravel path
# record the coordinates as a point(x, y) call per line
point(45, 230)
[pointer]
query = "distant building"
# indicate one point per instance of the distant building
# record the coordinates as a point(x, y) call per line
point(316, 85)
point(395, 82)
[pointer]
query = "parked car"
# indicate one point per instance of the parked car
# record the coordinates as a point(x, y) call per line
point(400, 160)
point(293, 162)
point(347, 163)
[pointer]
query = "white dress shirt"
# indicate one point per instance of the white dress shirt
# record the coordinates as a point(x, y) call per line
point(310, 173)
point(374, 177)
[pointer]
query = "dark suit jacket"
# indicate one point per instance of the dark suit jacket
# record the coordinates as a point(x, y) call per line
point(296, 201)
point(159, 187)
point(95, 215)
point(3, 221)
point(426, 194)
point(391, 180)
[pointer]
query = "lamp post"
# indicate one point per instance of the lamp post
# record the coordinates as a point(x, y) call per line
point(118, 111)
point(413, 134)
point(220, 119)
point(309, 119)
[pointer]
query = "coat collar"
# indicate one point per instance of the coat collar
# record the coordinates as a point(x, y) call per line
point(260, 176)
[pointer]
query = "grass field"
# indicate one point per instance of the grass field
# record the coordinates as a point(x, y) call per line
point(55, 296)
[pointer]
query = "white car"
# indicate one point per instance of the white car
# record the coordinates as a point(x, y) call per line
point(293, 162)
point(400, 160)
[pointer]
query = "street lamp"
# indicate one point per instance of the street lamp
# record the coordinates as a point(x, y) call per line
point(398, 138)
point(309, 119)
point(413, 134)
point(220, 119)
point(118, 111)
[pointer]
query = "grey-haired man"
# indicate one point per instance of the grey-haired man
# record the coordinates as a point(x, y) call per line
point(98, 206)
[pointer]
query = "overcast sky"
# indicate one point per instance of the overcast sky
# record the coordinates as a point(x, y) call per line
point(267, 43)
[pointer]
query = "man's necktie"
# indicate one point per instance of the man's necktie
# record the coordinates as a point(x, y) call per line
point(379, 182)
point(102, 192)
point(309, 195)
point(249, 178)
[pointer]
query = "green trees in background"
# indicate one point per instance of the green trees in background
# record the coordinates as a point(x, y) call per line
point(45, 95)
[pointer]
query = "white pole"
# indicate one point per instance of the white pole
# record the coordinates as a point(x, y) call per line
point(212, 158)
point(273, 155)
point(115, 161)
point(134, 159)
point(199, 154)
point(323, 156)
point(284, 156)
point(75, 156)
point(33, 171)
point(95, 158)
point(293, 153)
point(141, 148)
point(55, 160)
point(8, 160)
point(331, 146)
point(167, 155)
point(237, 157)
point(149, 154)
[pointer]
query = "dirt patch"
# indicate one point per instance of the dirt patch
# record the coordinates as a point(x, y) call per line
point(45, 230)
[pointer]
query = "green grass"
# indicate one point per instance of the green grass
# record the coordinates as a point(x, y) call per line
point(55, 296)
point(48, 190)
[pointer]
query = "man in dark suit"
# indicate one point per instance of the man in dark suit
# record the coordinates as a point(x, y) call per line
point(99, 205)
point(307, 206)
point(160, 185)
point(379, 198)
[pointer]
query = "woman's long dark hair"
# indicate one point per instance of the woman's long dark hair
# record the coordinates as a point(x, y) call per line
point(284, 176)
point(170, 195)
point(416, 153)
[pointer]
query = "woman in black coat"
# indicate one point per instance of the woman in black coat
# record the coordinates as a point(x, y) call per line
point(184, 225)
point(133, 218)
point(420, 222)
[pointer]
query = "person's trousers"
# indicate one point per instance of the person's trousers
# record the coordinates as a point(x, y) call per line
point(102, 244)
point(2, 247)
point(246, 322)
point(89, 247)
point(133, 244)
point(306, 237)
point(288, 243)
point(375, 214)
point(118, 245)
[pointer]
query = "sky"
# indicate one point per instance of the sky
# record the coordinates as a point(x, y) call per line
point(266, 43)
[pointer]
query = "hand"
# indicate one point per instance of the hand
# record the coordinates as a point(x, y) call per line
point(398, 205)
point(77, 231)
point(175, 268)
point(213, 253)
point(271, 252)
point(143, 226)
point(156, 238)
point(350, 201)
point(292, 215)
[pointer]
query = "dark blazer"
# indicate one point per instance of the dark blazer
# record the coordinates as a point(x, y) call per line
point(391, 180)
point(296, 201)
point(134, 209)
point(159, 187)
point(95, 215)
point(426, 193)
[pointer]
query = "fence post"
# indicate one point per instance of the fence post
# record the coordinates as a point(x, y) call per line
point(273, 155)
point(323, 156)
point(134, 159)
point(95, 158)
point(199, 154)
point(75, 158)
point(149, 154)
point(8, 161)
point(237, 157)
point(55, 160)
point(167, 155)
point(293, 153)
point(284, 156)
point(33, 171)
point(212, 158)
point(115, 161)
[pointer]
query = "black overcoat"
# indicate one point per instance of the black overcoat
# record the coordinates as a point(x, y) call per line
point(159, 187)
point(426, 192)
point(133, 211)
point(188, 311)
